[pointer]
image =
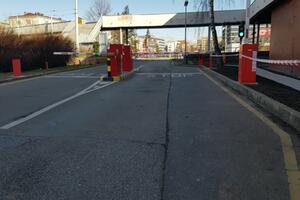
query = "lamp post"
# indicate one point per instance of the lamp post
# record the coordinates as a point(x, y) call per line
point(76, 27)
point(52, 15)
point(186, 3)
point(247, 22)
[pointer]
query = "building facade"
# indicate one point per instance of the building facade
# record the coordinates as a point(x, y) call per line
point(29, 19)
point(151, 44)
point(3, 25)
point(284, 17)
point(230, 38)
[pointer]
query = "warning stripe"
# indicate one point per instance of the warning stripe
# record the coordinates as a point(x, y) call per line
point(79, 53)
point(219, 56)
point(277, 62)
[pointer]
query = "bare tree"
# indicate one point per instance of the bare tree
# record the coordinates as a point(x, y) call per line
point(209, 5)
point(98, 8)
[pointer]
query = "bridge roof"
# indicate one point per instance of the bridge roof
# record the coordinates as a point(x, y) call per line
point(194, 19)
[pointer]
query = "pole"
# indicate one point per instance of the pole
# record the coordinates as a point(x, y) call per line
point(52, 21)
point(127, 36)
point(209, 39)
point(185, 36)
point(18, 25)
point(247, 22)
point(76, 27)
point(257, 34)
point(121, 36)
point(253, 33)
point(51, 25)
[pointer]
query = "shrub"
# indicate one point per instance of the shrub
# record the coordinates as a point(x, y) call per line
point(34, 51)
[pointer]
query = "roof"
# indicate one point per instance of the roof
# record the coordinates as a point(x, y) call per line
point(30, 14)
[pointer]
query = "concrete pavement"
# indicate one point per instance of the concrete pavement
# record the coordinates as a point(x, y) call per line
point(167, 133)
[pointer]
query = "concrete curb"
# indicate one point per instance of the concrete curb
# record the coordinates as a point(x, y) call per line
point(285, 113)
point(43, 74)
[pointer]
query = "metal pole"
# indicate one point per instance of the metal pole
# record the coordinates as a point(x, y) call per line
point(18, 25)
point(52, 21)
point(247, 22)
point(121, 36)
point(209, 39)
point(127, 36)
point(185, 36)
point(253, 33)
point(51, 25)
point(257, 34)
point(76, 27)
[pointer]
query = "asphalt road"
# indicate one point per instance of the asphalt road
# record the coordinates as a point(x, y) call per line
point(167, 133)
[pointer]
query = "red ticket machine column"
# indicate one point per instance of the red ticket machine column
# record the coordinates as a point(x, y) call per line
point(116, 60)
point(247, 67)
point(201, 59)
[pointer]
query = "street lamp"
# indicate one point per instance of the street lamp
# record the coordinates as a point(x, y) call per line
point(247, 22)
point(76, 27)
point(186, 3)
point(52, 15)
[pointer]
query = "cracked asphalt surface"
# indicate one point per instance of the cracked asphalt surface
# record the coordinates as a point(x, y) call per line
point(166, 133)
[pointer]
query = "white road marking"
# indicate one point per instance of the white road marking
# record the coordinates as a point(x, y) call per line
point(139, 68)
point(95, 86)
point(73, 76)
point(173, 75)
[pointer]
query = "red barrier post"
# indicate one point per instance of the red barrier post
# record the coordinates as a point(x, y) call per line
point(16, 64)
point(247, 67)
point(211, 63)
point(201, 59)
point(127, 59)
point(224, 58)
point(116, 60)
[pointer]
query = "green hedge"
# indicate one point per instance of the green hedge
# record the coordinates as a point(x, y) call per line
point(34, 51)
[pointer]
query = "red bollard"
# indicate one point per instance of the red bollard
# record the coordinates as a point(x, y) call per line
point(16, 64)
point(224, 58)
point(247, 67)
point(201, 59)
point(211, 63)
point(127, 59)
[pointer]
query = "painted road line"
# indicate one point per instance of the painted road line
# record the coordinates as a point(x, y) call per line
point(95, 86)
point(289, 155)
point(139, 68)
point(73, 76)
point(14, 81)
point(173, 75)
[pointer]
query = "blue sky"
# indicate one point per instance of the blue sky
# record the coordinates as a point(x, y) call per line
point(65, 9)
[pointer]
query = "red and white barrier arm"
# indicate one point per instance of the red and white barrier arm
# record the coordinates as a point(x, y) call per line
point(75, 53)
point(276, 62)
point(220, 56)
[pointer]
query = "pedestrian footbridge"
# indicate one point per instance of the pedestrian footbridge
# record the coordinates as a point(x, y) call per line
point(176, 20)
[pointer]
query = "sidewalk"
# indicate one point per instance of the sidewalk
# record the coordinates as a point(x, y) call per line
point(7, 77)
point(284, 80)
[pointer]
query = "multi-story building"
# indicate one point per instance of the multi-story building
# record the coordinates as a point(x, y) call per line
point(230, 37)
point(150, 44)
point(31, 19)
point(161, 44)
point(202, 44)
point(171, 45)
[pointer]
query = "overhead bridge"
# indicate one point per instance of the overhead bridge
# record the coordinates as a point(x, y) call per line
point(89, 33)
point(194, 19)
